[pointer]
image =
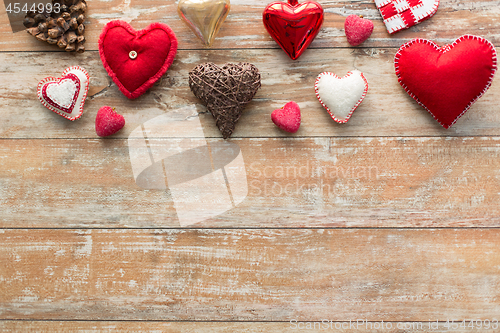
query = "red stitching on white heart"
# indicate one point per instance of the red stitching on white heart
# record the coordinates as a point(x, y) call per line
point(84, 96)
point(340, 121)
point(49, 100)
point(444, 49)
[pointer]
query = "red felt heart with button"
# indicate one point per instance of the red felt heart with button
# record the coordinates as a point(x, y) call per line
point(135, 60)
point(292, 25)
point(446, 81)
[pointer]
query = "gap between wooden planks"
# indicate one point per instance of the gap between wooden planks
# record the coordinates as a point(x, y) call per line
point(254, 275)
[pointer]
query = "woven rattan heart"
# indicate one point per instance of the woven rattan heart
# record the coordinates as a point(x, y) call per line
point(225, 91)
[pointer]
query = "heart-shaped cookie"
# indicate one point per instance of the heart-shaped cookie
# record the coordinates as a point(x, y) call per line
point(135, 60)
point(446, 81)
point(204, 17)
point(293, 25)
point(225, 91)
point(341, 96)
point(65, 95)
point(402, 14)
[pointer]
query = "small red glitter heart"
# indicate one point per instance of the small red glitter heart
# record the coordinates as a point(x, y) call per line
point(288, 117)
point(108, 122)
point(357, 29)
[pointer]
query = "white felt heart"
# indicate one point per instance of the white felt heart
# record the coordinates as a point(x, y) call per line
point(341, 96)
point(65, 95)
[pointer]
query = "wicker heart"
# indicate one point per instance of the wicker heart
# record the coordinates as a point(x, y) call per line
point(402, 14)
point(65, 95)
point(446, 80)
point(135, 60)
point(225, 91)
point(341, 96)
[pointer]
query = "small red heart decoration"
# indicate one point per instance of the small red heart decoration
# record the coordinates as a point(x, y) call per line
point(446, 81)
point(65, 95)
point(135, 60)
point(108, 122)
point(357, 29)
point(292, 25)
point(288, 117)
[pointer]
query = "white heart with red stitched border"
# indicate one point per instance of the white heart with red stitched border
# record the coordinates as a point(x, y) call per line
point(341, 96)
point(65, 95)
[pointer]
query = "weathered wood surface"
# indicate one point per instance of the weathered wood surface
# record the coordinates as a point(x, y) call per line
point(244, 29)
point(392, 166)
point(321, 182)
point(233, 327)
point(386, 111)
point(250, 275)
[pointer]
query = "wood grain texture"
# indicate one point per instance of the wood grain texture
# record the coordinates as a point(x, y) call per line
point(254, 275)
point(339, 221)
point(244, 29)
point(229, 327)
point(386, 111)
point(322, 182)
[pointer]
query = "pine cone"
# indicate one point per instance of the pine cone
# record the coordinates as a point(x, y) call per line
point(64, 28)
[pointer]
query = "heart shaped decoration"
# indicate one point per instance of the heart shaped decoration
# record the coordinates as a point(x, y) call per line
point(108, 122)
point(135, 60)
point(65, 95)
point(357, 29)
point(225, 91)
point(341, 96)
point(402, 14)
point(446, 81)
point(204, 17)
point(292, 25)
point(288, 117)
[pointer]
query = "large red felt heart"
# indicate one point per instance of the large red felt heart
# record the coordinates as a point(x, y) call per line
point(292, 25)
point(135, 60)
point(446, 81)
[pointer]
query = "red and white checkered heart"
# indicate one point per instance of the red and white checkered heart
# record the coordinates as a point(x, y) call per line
point(65, 95)
point(402, 14)
point(341, 96)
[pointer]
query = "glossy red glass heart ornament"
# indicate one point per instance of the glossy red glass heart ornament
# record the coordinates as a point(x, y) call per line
point(293, 25)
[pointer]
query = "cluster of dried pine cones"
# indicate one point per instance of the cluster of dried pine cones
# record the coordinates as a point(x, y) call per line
point(63, 26)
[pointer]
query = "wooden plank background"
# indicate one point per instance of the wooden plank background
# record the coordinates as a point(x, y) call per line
point(396, 218)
